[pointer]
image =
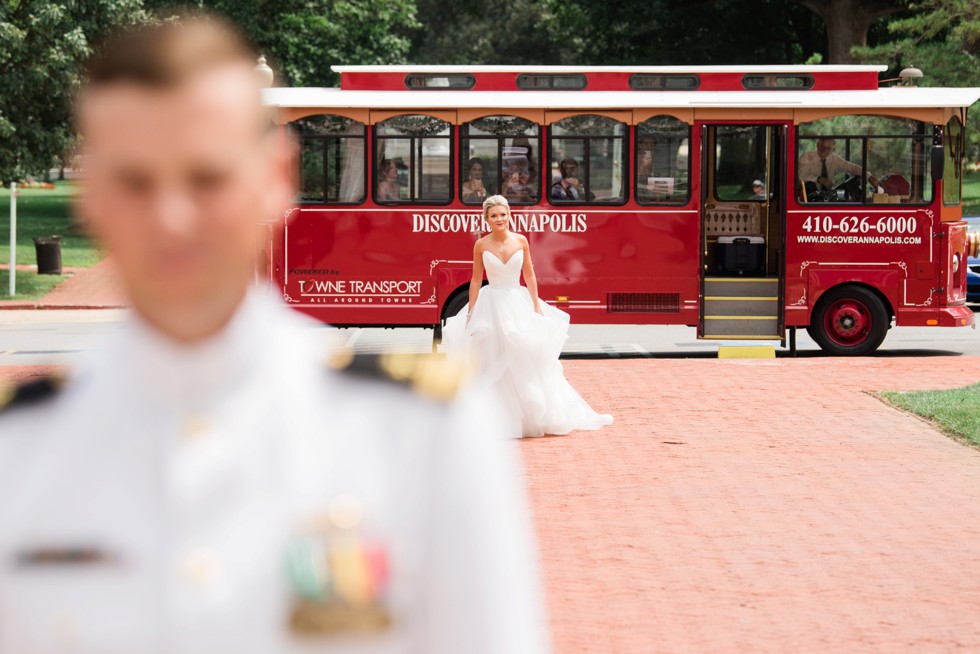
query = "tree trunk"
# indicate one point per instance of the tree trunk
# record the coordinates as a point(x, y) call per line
point(848, 22)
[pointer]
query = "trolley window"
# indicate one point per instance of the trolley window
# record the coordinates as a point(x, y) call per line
point(740, 159)
point(662, 161)
point(864, 159)
point(587, 160)
point(500, 155)
point(413, 160)
point(437, 82)
point(539, 82)
point(332, 162)
point(664, 82)
point(777, 82)
point(953, 166)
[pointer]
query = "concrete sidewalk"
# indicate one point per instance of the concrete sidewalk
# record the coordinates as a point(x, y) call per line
point(84, 288)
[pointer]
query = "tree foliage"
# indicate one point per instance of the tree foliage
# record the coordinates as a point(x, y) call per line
point(41, 44)
point(302, 38)
point(848, 23)
point(942, 38)
point(611, 32)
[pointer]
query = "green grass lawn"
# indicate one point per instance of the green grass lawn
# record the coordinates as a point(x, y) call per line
point(30, 285)
point(971, 194)
point(955, 411)
point(43, 212)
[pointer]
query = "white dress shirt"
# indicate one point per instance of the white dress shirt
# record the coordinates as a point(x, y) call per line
point(810, 166)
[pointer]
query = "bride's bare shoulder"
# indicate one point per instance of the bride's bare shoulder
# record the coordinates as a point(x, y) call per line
point(522, 240)
point(480, 245)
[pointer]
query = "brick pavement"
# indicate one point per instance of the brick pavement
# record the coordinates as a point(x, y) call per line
point(757, 506)
point(84, 288)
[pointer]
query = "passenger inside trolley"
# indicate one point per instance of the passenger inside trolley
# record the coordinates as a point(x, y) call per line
point(517, 187)
point(473, 188)
point(644, 167)
point(819, 170)
point(568, 188)
point(388, 181)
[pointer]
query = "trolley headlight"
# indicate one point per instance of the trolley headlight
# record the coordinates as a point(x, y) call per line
point(956, 262)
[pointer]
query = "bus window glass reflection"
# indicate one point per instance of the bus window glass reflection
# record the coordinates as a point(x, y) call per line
point(867, 159)
point(587, 160)
point(661, 163)
point(418, 149)
point(953, 166)
point(740, 160)
point(332, 163)
point(509, 149)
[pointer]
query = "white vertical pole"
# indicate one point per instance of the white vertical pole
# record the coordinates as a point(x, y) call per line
point(13, 238)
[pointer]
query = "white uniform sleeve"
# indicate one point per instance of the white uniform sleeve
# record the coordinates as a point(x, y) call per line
point(483, 589)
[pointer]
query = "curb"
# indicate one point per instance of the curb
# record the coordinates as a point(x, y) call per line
point(54, 307)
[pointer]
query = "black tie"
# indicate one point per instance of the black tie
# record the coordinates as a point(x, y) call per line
point(823, 169)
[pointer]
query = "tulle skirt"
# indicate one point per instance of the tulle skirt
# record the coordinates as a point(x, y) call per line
point(516, 351)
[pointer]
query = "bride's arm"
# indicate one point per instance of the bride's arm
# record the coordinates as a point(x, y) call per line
point(529, 278)
point(477, 280)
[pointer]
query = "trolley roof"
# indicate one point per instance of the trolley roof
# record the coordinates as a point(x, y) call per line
point(893, 97)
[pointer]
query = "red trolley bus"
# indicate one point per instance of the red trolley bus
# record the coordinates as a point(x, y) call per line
point(745, 202)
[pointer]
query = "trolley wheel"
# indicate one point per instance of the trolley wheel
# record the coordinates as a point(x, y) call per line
point(454, 306)
point(849, 321)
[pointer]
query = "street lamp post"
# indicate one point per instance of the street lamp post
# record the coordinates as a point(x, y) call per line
point(13, 238)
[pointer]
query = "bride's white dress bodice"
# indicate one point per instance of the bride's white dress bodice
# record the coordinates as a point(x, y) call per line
point(503, 275)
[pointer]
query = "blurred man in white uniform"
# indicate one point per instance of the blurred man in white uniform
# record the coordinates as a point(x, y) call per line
point(207, 483)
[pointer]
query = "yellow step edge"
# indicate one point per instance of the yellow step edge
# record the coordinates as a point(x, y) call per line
point(740, 317)
point(741, 297)
point(741, 279)
point(746, 352)
point(738, 337)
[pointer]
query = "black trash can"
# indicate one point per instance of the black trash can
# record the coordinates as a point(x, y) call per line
point(48, 251)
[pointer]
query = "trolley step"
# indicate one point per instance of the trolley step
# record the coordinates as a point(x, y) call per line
point(741, 286)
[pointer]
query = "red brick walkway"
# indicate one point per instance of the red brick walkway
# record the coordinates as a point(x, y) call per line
point(759, 506)
point(85, 288)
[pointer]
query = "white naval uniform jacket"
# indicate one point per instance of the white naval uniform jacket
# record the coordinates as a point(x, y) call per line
point(184, 473)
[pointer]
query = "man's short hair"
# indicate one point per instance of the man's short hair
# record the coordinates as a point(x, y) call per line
point(166, 52)
point(563, 165)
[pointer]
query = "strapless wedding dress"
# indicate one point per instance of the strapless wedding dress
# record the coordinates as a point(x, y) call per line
point(517, 351)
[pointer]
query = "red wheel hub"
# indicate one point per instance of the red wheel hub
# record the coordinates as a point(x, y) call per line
point(848, 322)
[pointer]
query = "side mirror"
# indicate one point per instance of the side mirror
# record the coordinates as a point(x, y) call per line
point(938, 162)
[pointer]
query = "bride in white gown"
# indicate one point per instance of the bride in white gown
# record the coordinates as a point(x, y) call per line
point(515, 337)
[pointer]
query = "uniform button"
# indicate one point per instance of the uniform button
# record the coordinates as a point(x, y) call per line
point(202, 566)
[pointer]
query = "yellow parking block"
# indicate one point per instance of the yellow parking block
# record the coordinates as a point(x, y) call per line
point(746, 352)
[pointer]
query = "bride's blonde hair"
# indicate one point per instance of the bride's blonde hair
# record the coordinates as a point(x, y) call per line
point(495, 201)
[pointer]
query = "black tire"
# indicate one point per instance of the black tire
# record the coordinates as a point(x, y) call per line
point(849, 321)
point(455, 305)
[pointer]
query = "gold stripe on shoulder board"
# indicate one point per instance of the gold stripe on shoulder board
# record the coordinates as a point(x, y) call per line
point(433, 376)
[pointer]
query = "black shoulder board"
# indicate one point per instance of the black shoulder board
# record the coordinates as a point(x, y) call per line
point(35, 390)
point(430, 375)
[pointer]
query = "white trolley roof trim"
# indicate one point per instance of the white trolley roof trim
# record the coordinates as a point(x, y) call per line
point(883, 98)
